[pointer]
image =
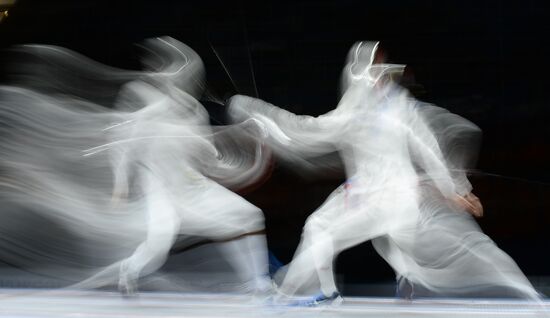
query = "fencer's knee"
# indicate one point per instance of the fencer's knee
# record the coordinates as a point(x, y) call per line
point(251, 221)
point(255, 221)
point(313, 225)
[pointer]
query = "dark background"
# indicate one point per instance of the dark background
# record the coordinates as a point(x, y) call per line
point(485, 60)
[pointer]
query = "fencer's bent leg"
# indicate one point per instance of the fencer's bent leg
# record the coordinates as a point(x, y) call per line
point(162, 225)
point(223, 216)
point(336, 227)
point(450, 256)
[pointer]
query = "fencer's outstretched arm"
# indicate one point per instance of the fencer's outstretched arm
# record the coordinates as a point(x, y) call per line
point(242, 158)
point(301, 135)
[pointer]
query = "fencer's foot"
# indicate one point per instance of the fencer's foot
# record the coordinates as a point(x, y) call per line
point(264, 290)
point(404, 288)
point(333, 300)
point(127, 290)
point(127, 286)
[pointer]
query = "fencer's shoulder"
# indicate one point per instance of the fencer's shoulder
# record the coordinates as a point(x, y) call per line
point(428, 110)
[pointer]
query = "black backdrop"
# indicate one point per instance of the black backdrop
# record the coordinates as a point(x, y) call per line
point(485, 60)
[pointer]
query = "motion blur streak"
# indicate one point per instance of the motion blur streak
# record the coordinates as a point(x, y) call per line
point(119, 164)
point(406, 163)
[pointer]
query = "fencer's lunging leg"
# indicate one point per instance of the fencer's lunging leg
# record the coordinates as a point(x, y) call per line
point(162, 225)
point(248, 256)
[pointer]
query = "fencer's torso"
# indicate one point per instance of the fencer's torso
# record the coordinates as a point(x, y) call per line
point(374, 144)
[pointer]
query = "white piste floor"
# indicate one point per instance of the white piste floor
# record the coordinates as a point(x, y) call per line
point(70, 303)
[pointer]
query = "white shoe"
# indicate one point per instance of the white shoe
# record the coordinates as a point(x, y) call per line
point(333, 300)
